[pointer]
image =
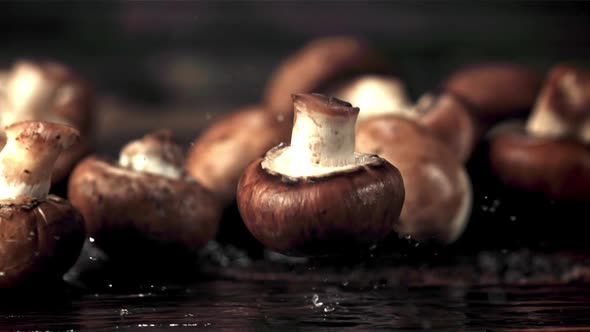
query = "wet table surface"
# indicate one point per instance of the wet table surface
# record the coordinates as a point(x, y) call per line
point(493, 290)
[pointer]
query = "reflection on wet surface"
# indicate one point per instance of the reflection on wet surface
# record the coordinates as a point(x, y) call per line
point(279, 305)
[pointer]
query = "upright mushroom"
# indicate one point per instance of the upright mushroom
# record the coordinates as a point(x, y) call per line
point(144, 205)
point(48, 91)
point(317, 65)
point(317, 196)
point(41, 235)
point(551, 154)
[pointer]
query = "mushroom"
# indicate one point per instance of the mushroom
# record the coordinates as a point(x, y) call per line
point(41, 235)
point(219, 156)
point(321, 62)
point(317, 196)
point(48, 91)
point(438, 189)
point(495, 91)
point(146, 199)
point(551, 153)
point(444, 114)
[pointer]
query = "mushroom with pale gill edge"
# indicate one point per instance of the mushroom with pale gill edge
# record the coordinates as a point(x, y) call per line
point(317, 196)
point(48, 91)
point(146, 199)
point(443, 114)
point(41, 235)
point(551, 153)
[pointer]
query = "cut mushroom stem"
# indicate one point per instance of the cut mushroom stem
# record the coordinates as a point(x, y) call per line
point(563, 107)
point(27, 160)
point(155, 153)
point(322, 141)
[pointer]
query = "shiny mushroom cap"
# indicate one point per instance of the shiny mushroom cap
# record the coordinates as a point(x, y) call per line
point(146, 198)
point(317, 196)
point(41, 234)
point(438, 190)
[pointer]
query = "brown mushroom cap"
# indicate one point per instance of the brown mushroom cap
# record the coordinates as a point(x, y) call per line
point(559, 168)
point(551, 155)
point(495, 90)
point(328, 215)
point(220, 155)
point(322, 61)
point(124, 208)
point(563, 107)
point(39, 240)
point(438, 190)
point(66, 98)
point(452, 122)
point(444, 114)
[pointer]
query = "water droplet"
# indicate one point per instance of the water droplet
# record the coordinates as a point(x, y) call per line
point(91, 239)
point(512, 218)
point(1, 273)
point(110, 285)
point(345, 283)
point(124, 312)
point(316, 301)
point(329, 308)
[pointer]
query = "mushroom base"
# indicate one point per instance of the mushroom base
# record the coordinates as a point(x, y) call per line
point(329, 215)
point(557, 168)
point(39, 241)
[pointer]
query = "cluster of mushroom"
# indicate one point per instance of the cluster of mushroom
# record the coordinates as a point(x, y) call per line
point(437, 188)
point(428, 141)
point(339, 184)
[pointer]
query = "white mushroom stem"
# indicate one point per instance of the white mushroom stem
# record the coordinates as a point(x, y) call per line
point(322, 140)
point(26, 162)
point(376, 95)
point(155, 154)
point(546, 121)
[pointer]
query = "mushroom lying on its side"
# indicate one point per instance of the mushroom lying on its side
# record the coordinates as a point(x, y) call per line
point(444, 114)
point(48, 91)
point(551, 154)
point(145, 204)
point(317, 196)
point(438, 189)
point(321, 62)
point(41, 235)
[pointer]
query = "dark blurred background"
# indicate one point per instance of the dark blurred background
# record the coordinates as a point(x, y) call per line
point(179, 64)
